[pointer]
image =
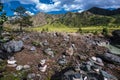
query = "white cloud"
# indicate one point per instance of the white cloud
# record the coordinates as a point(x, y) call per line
point(69, 5)
point(22, 1)
point(29, 13)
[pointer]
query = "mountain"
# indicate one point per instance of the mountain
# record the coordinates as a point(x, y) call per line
point(106, 12)
point(92, 17)
point(43, 19)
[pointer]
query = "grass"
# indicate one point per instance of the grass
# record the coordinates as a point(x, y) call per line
point(63, 28)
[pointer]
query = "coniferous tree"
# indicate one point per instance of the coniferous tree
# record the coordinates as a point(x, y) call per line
point(23, 18)
point(3, 18)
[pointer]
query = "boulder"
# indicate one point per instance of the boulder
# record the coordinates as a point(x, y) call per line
point(107, 76)
point(111, 58)
point(12, 46)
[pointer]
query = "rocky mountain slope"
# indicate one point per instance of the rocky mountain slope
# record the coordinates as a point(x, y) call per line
point(92, 17)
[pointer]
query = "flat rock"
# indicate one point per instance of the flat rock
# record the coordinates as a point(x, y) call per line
point(26, 66)
point(19, 67)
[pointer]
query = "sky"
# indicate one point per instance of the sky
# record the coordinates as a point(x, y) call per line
point(57, 6)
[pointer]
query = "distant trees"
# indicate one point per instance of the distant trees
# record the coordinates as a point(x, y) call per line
point(3, 18)
point(22, 17)
point(89, 19)
point(99, 21)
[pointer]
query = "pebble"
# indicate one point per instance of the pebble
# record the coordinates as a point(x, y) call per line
point(43, 68)
point(26, 66)
point(19, 67)
point(31, 75)
point(11, 62)
point(33, 48)
point(42, 62)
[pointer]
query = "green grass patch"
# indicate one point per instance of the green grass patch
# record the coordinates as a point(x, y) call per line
point(63, 28)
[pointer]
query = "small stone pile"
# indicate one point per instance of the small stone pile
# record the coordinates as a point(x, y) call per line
point(42, 66)
point(11, 62)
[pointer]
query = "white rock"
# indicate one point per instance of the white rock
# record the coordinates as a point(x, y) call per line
point(13, 65)
point(19, 67)
point(42, 62)
point(43, 69)
point(33, 48)
point(94, 58)
point(26, 66)
point(11, 62)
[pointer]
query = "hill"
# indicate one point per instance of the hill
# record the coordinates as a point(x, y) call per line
point(105, 12)
point(92, 17)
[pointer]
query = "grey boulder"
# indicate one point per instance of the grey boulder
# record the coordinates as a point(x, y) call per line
point(12, 46)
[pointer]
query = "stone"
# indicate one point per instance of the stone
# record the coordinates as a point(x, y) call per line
point(11, 62)
point(70, 51)
point(49, 52)
point(94, 58)
point(31, 76)
point(45, 43)
point(42, 62)
point(77, 68)
point(112, 58)
point(73, 45)
point(62, 61)
point(33, 48)
point(25, 37)
point(12, 46)
point(19, 67)
point(13, 65)
point(26, 66)
point(97, 61)
point(43, 68)
point(107, 76)
point(39, 76)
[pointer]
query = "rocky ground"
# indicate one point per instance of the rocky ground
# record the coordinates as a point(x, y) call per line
point(46, 54)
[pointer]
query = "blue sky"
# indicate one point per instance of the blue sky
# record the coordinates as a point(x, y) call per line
point(58, 6)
